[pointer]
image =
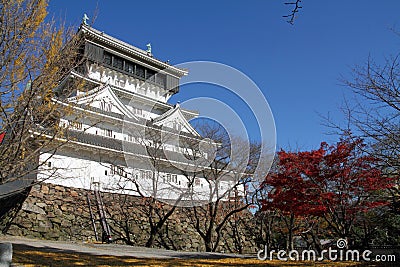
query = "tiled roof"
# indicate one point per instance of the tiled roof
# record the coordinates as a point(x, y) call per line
point(99, 35)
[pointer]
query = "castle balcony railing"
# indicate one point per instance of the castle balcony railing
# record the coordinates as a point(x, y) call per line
point(118, 145)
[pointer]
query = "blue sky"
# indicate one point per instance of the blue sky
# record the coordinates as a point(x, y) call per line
point(297, 67)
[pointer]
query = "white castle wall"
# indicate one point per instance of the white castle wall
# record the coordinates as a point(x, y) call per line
point(83, 169)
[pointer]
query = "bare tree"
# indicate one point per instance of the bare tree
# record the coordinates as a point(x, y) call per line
point(377, 110)
point(232, 163)
point(154, 178)
point(374, 115)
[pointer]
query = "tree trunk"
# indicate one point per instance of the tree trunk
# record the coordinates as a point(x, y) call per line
point(152, 237)
point(208, 240)
point(208, 244)
point(289, 241)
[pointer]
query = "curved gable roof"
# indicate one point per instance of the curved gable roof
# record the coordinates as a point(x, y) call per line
point(175, 114)
point(98, 94)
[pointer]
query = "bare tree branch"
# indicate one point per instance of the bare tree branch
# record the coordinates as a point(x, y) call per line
point(292, 16)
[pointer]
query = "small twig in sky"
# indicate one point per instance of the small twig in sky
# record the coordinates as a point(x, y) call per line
point(292, 15)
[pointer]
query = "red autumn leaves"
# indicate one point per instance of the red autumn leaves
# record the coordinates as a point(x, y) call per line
point(338, 180)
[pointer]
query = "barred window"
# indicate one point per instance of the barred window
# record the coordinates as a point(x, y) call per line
point(118, 63)
point(75, 125)
point(129, 67)
point(107, 132)
point(131, 138)
point(107, 58)
point(150, 75)
point(117, 170)
point(137, 70)
point(140, 71)
point(138, 111)
point(106, 106)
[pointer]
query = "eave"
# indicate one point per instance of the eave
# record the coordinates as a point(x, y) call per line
point(129, 49)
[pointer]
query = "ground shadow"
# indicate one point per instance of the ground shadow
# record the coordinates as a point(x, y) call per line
point(48, 256)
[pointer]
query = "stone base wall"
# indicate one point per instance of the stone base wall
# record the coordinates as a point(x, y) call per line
point(62, 213)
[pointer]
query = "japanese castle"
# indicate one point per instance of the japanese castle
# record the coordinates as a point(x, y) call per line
point(123, 136)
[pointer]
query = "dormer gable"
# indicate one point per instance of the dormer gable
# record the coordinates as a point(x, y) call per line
point(104, 98)
point(175, 119)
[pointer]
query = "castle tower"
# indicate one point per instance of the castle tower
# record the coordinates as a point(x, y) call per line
point(121, 134)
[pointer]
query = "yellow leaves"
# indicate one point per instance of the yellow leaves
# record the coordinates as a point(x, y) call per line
point(48, 94)
point(39, 13)
point(23, 151)
point(32, 49)
point(41, 10)
point(54, 49)
point(19, 67)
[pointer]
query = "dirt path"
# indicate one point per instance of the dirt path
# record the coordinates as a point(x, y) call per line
point(110, 249)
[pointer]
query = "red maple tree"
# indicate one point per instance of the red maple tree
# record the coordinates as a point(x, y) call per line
point(337, 183)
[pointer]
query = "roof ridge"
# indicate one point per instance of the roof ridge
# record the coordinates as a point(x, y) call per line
point(115, 39)
point(124, 45)
point(167, 113)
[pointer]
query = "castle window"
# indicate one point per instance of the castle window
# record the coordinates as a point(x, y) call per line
point(177, 126)
point(138, 111)
point(129, 67)
point(106, 106)
point(168, 178)
point(107, 58)
point(63, 124)
point(139, 71)
point(117, 170)
point(120, 83)
point(113, 169)
point(150, 75)
point(149, 174)
point(108, 132)
point(75, 125)
point(174, 178)
point(118, 63)
point(131, 138)
point(133, 69)
point(49, 164)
